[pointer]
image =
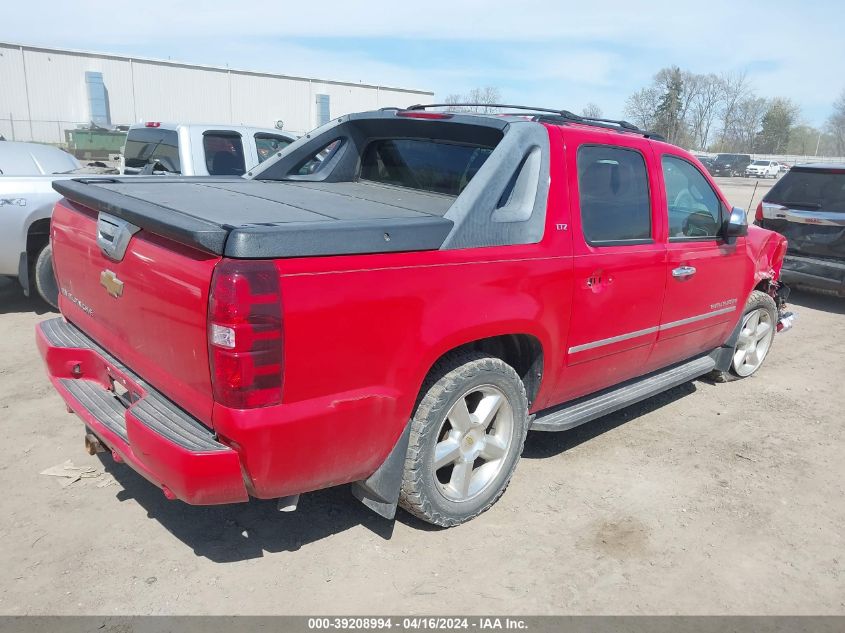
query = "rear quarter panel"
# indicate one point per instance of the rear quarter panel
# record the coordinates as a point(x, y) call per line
point(362, 332)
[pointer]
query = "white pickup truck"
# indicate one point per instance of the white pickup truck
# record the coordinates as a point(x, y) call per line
point(27, 172)
point(198, 149)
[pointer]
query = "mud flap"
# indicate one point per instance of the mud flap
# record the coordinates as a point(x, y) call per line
point(23, 273)
point(380, 491)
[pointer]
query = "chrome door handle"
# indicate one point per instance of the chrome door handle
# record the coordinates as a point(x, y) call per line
point(682, 272)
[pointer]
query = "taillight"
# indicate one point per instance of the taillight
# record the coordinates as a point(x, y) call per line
point(758, 214)
point(245, 336)
point(152, 124)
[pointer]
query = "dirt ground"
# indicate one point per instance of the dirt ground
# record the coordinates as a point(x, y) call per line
point(707, 499)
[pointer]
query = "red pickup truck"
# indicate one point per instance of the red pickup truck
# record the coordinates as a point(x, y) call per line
point(394, 300)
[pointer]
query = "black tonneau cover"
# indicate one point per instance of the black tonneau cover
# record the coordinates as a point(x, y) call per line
point(243, 218)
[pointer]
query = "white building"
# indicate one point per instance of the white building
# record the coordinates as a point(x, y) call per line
point(44, 91)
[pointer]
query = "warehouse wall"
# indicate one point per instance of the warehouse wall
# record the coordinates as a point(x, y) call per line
point(43, 92)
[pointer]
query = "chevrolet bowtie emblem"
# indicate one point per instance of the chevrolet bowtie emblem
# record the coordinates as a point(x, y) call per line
point(111, 283)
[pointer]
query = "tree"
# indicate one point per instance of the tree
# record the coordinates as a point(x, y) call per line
point(486, 97)
point(592, 111)
point(451, 102)
point(735, 90)
point(641, 107)
point(836, 125)
point(777, 123)
point(668, 116)
point(703, 109)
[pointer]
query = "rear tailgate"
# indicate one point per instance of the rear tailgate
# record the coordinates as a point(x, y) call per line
point(148, 309)
point(807, 206)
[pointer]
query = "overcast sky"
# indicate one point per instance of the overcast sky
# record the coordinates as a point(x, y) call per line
point(563, 54)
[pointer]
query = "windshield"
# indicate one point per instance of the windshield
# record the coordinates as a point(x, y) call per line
point(761, 163)
point(152, 146)
point(823, 190)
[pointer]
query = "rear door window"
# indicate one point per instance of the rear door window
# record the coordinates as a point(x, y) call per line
point(423, 164)
point(694, 208)
point(613, 194)
point(813, 190)
point(224, 153)
point(152, 146)
point(268, 144)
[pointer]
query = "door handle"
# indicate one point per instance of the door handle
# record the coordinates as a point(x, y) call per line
point(682, 272)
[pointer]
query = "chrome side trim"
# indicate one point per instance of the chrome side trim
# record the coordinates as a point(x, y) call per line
point(649, 330)
point(693, 319)
point(612, 339)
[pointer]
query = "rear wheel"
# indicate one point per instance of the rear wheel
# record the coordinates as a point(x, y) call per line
point(759, 322)
point(467, 434)
point(45, 279)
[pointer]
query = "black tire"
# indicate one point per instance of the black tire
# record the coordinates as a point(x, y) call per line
point(756, 301)
point(45, 280)
point(450, 380)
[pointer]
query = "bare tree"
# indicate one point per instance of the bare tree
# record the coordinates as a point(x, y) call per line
point(452, 100)
point(703, 109)
point(735, 91)
point(486, 96)
point(641, 107)
point(592, 110)
point(836, 125)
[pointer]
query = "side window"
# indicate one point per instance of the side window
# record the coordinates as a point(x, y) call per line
point(694, 208)
point(267, 144)
point(613, 192)
point(224, 153)
point(312, 164)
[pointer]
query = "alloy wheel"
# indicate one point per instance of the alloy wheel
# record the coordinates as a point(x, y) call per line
point(473, 443)
point(755, 339)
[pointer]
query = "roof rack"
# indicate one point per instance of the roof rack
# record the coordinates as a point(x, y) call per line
point(557, 116)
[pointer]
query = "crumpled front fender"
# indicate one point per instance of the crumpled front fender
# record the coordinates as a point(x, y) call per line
point(767, 250)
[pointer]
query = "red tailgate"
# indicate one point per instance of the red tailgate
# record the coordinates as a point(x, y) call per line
point(149, 309)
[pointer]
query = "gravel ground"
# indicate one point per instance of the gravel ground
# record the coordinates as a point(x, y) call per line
point(706, 499)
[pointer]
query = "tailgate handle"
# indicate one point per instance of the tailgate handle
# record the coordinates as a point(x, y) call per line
point(113, 235)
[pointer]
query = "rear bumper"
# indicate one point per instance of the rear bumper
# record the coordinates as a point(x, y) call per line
point(155, 437)
point(812, 272)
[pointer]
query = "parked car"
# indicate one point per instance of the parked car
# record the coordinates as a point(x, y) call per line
point(400, 296)
point(731, 164)
point(807, 206)
point(151, 148)
point(708, 161)
point(27, 171)
point(762, 169)
point(198, 149)
point(34, 159)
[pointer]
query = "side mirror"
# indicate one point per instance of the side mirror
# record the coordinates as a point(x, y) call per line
point(737, 224)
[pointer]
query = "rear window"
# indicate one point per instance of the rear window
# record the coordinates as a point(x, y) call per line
point(823, 190)
point(224, 153)
point(423, 164)
point(152, 146)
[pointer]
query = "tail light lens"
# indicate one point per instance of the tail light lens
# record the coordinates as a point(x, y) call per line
point(245, 335)
point(758, 214)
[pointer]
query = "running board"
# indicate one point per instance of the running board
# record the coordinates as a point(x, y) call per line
point(571, 414)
